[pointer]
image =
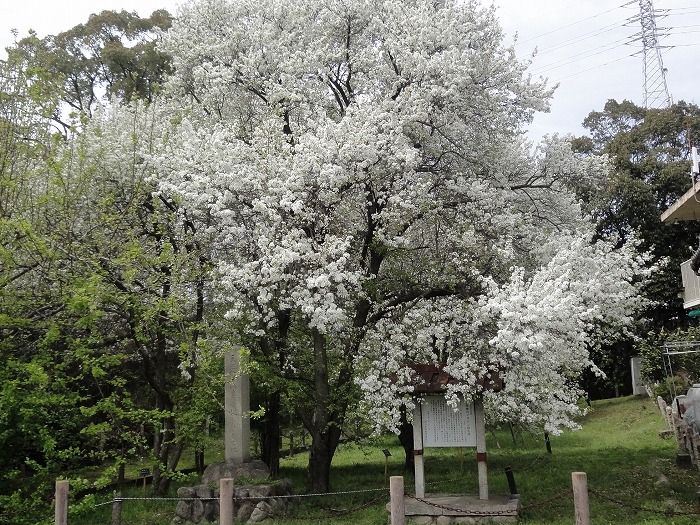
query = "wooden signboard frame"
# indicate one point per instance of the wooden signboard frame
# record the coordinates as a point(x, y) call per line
point(434, 426)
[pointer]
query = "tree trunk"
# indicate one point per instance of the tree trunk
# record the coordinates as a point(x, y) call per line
point(320, 463)
point(166, 451)
point(406, 440)
point(324, 428)
point(323, 447)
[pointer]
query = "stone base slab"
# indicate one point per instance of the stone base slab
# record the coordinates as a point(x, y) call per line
point(445, 509)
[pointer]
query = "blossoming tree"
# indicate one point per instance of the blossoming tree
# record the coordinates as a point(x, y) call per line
point(362, 168)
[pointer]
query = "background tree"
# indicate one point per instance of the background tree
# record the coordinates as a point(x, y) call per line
point(112, 55)
point(649, 151)
point(144, 270)
point(39, 418)
point(102, 284)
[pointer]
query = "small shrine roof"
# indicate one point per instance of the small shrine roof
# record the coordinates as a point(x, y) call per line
point(433, 379)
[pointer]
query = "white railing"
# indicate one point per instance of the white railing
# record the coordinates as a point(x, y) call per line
point(691, 286)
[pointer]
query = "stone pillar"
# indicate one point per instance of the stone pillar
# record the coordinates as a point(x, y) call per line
point(418, 467)
point(637, 384)
point(236, 409)
point(481, 448)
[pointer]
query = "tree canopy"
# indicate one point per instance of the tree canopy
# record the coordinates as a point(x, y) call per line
point(373, 205)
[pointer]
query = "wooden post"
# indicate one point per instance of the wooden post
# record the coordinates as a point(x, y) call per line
point(117, 509)
point(226, 491)
point(418, 467)
point(396, 498)
point(62, 502)
point(579, 481)
point(481, 461)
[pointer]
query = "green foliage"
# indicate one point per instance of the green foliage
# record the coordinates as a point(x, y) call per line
point(101, 285)
point(649, 154)
point(114, 52)
point(649, 151)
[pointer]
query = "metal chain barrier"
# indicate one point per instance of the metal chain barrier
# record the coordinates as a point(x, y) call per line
point(342, 512)
point(332, 512)
point(345, 512)
point(463, 511)
point(668, 512)
point(559, 495)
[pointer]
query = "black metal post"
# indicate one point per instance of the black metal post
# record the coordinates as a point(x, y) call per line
point(511, 481)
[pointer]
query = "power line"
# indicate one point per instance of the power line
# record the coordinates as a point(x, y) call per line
point(593, 68)
point(573, 23)
point(580, 45)
point(585, 36)
point(571, 59)
point(549, 13)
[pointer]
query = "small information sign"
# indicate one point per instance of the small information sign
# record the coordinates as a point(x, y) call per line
point(443, 426)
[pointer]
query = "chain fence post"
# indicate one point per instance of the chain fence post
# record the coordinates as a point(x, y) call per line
point(579, 482)
point(117, 509)
point(396, 498)
point(61, 515)
point(226, 491)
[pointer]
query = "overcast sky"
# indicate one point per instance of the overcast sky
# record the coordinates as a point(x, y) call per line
point(585, 46)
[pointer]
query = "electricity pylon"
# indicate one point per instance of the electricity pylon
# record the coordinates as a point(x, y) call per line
point(655, 88)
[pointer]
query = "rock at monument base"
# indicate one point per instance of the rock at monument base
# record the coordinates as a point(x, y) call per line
point(182, 510)
point(283, 487)
point(251, 470)
point(253, 503)
point(211, 510)
point(245, 511)
point(277, 508)
point(261, 491)
point(203, 491)
point(186, 492)
point(197, 511)
point(261, 512)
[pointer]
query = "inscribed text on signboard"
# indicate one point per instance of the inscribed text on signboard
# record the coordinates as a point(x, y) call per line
point(443, 426)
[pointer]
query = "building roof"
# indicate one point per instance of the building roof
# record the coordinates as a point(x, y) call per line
point(686, 208)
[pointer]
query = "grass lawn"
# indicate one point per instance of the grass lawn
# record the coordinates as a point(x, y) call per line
point(632, 475)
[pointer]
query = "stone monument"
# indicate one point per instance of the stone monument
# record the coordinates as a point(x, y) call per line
point(236, 409)
point(253, 502)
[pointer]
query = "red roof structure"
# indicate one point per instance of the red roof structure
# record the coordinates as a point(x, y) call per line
point(432, 379)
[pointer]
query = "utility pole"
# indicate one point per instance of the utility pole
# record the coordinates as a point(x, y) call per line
point(655, 88)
